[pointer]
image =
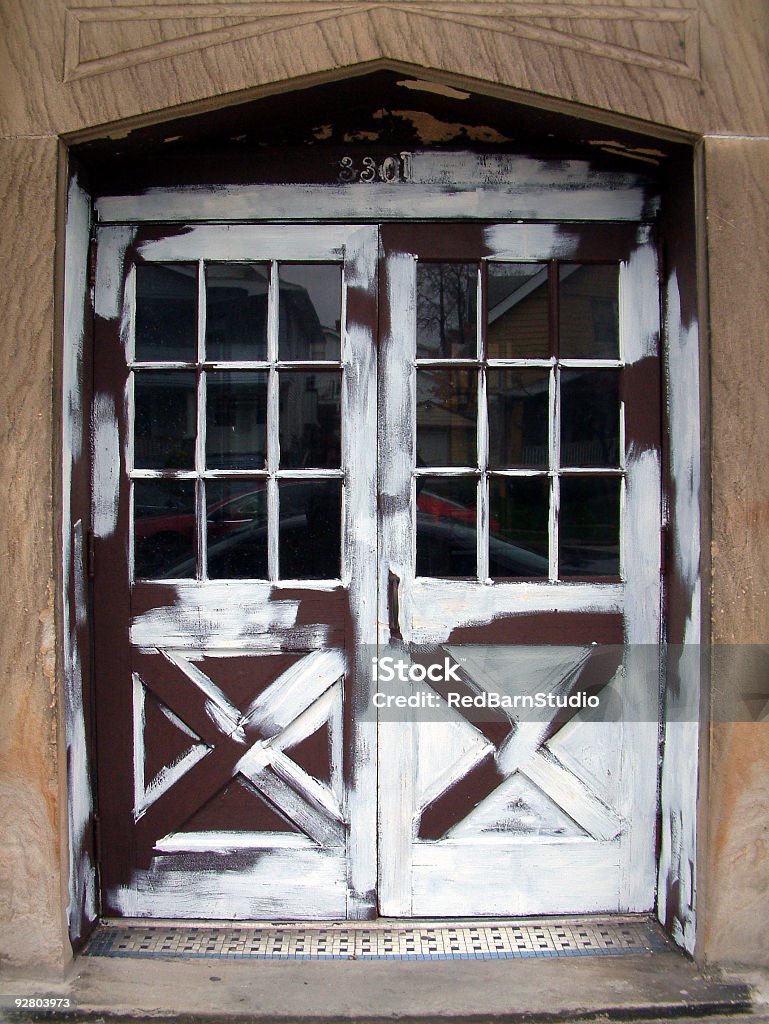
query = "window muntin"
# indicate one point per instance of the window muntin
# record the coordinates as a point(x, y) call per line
point(237, 421)
point(537, 451)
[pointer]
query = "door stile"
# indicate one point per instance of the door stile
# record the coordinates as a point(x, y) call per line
point(396, 436)
point(360, 546)
point(642, 561)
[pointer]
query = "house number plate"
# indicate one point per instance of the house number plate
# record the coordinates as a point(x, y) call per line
point(367, 170)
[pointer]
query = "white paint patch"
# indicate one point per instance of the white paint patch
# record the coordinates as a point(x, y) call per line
point(440, 606)
point(639, 302)
point(243, 242)
point(232, 842)
point(683, 369)
point(294, 690)
point(642, 515)
point(223, 616)
point(680, 769)
point(82, 876)
point(474, 877)
point(304, 884)
point(479, 199)
point(108, 294)
point(106, 466)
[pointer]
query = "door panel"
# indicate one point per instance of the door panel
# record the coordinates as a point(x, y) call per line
point(521, 522)
point(234, 496)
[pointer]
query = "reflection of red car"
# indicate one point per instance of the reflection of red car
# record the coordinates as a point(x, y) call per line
point(443, 508)
point(164, 526)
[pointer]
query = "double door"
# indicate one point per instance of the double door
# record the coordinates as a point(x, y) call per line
point(321, 451)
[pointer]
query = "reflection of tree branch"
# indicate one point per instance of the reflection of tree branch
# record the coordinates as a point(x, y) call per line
point(442, 304)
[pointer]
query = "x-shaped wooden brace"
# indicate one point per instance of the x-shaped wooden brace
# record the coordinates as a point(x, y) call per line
point(250, 743)
point(518, 746)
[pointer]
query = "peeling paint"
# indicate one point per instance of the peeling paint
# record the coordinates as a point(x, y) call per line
point(430, 129)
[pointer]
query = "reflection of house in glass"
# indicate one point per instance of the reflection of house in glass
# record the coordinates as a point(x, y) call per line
point(236, 332)
point(517, 314)
point(310, 398)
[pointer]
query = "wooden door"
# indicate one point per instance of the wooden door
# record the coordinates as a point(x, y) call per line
point(234, 554)
point(520, 539)
point(250, 554)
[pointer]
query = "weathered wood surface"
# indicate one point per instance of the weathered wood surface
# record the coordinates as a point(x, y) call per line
point(69, 65)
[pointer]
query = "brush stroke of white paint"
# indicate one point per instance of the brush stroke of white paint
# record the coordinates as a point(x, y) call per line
point(106, 466)
point(108, 294)
point(295, 883)
point(145, 794)
point(584, 200)
point(680, 770)
point(82, 874)
point(221, 615)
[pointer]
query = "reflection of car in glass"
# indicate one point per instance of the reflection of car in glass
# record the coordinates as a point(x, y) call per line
point(447, 548)
point(164, 526)
point(309, 549)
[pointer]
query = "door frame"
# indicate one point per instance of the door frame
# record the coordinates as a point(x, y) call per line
point(615, 197)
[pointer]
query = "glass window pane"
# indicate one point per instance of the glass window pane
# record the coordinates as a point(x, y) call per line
point(236, 420)
point(236, 528)
point(310, 419)
point(310, 315)
point(588, 527)
point(589, 312)
point(519, 510)
point(518, 418)
point(165, 404)
point(164, 529)
point(447, 514)
point(517, 311)
point(590, 418)
point(447, 408)
point(166, 311)
point(236, 310)
point(447, 300)
point(310, 529)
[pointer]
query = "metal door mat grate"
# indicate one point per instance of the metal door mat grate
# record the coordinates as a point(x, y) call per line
point(433, 941)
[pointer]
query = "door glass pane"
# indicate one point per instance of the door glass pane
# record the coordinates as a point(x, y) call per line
point(447, 301)
point(236, 420)
point(590, 418)
point(447, 406)
point(517, 311)
point(589, 526)
point(310, 312)
point(236, 529)
point(518, 418)
point(165, 404)
point(164, 529)
point(519, 509)
point(166, 311)
point(236, 311)
point(310, 529)
point(589, 312)
point(447, 514)
point(310, 419)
